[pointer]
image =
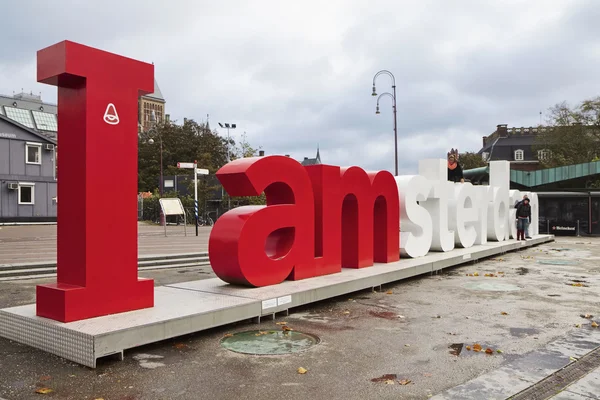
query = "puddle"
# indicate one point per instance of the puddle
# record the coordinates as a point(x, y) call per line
point(144, 360)
point(522, 271)
point(492, 286)
point(557, 262)
point(523, 332)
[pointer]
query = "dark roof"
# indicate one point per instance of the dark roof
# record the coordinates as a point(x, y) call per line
point(35, 133)
point(312, 161)
point(509, 141)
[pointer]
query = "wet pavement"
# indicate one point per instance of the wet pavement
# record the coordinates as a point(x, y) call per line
point(416, 339)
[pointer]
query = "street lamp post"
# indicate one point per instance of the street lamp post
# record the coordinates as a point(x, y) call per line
point(152, 132)
point(393, 96)
point(227, 126)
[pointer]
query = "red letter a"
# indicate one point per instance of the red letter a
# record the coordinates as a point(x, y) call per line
point(264, 245)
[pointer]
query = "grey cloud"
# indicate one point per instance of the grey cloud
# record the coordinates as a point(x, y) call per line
point(294, 76)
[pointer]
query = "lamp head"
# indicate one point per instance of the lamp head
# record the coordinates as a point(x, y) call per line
point(151, 141)
point(374, 91)
point(377, 110)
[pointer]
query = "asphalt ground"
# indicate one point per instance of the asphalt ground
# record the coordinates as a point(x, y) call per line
point(37, 243)
point(410, 330)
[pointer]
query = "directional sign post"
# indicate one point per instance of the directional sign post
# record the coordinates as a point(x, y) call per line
point(197, 171)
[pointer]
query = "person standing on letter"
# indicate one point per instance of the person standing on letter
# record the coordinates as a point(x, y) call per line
point(523, 218)
point(455, 172)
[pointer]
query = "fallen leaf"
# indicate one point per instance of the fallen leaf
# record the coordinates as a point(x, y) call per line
point(384, 378)
point(45, 378)
point(401, 316)
point(404, 382)
point(476, 274)
point(577, 284)
point(389, 382)
point(346, 312)
point(477, 347)
point(350, 299)
point(504, 313)
point(572, 359)
point(389, 292)
point(468, 348)
point(286, 328)
point(407, 345)
point(587, 316)
point(228, 335)
point(594, 324)
point(99, 398)
point(499, 351)
point(577, 325)
point(72, 376)
point(489, 351)
point(179, 346)
point(281, 323)
point(302, 370)
point(43, 391)
point(261, 333)
point(500, 273)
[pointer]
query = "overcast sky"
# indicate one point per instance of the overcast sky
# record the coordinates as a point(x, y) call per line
point(296, 74)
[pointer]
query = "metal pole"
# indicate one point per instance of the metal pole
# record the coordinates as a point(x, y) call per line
point(228, 196)
point(196, 193)
point(395, 132)
point(577, 228)
point(548, 226)
point(162, 215)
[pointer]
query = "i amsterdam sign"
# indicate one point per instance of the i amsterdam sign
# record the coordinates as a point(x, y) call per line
point(318, 219)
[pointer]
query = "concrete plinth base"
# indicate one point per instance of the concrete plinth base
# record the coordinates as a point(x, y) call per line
point(194, 306)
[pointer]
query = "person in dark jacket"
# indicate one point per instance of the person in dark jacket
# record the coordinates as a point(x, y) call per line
point(523, 218)
point(517, 204)
point(455, 172)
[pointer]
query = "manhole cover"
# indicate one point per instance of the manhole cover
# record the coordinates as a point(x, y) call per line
point(492, 286)
point(269, 342)
point(557, 262)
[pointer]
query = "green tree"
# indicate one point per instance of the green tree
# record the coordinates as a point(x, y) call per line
point(572, 135)
point(470, 160)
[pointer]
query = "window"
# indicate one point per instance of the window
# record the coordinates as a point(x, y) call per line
point(21, 116)
point(33, 153)
point(169, 183)
point(26, 193)
point(519, 156)
point(543, 154)
point(45, 121)
point(485, 155)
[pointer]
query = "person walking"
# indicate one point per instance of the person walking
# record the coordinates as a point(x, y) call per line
point(517, 204)
point(523, 218)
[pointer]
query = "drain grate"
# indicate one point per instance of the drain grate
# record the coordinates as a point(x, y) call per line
point(558, 381)
point(269, 342)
